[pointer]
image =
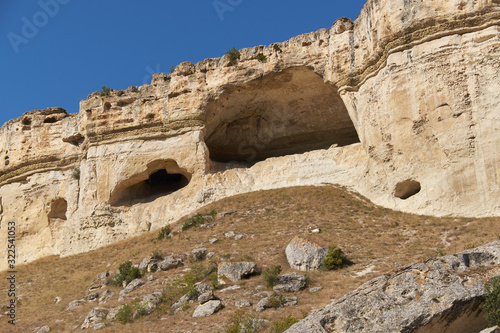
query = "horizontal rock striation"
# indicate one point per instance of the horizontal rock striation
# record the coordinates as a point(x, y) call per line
point(400, 105)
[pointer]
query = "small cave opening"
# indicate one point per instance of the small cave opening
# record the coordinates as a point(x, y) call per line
point(290, 112)
point(26, 121)
point(58, 209)
point(50, 120)
point(407, 189)
point(107, 106)
point(159, 183)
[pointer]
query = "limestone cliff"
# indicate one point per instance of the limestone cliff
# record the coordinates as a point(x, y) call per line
point(400, 105)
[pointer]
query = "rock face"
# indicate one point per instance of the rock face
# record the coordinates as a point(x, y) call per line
point(400, 105)
point(439, 295)
point(304, 255)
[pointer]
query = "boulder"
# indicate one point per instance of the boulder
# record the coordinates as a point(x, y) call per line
point(199, 254)
point(75, 304)
point(438, 295)
point(91, 297)
point(304, 255)
point(106, 295)
point(207, 309)
point(170, 263)
point(229, 234)
point(133, 285)
point(114, 311)
point(43, 329)
point(290, 283)
point(235, 271)
point(94, 317)
point(206, 296)
point(243, 303)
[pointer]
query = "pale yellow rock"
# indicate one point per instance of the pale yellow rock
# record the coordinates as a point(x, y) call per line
point(407, 94)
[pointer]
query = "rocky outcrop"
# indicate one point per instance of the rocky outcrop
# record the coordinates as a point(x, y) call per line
point(439, 295)
point(400, 105)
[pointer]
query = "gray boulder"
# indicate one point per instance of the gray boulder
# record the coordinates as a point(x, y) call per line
point(290, 283)
point(133, 285)
point(107, 294)
point(43, 329)
point(235, 271)
point(170, 263)
point(207, 309)
point(75, 304)
point(94, 317)
point(206, 296)
point(114, 311)
point(429, 296)
point(494, 329)
point(304, 255)
point(243, 303)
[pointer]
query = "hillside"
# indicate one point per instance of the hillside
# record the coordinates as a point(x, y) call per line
point(375, 239)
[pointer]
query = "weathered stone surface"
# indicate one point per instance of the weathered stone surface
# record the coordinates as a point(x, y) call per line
point(43, 329)
point(304, 255)
point(199, 254)
point(235, 271)
point(407, 92)
point(207, 309)
point(75, 304)
point(290, 283)
point(94, 317)
point(114, 311)
point(439, 295)
point(106, 295)
point(494, 329)
point(170, 264)
point(133, 285)
point(243, 303)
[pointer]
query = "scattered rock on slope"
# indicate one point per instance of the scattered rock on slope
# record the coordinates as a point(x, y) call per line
point(290, 283)
point(304, 255)
point(235, 271)
point(207, 309)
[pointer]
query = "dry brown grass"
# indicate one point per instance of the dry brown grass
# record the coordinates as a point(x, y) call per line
point(377, 240)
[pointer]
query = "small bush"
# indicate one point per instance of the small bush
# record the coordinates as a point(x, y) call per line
point(335, 259)
point(164, 232)
point(239, 323)
point(270, 275)
point(233, 55)
point(105, 91)
point(124, 315)
point(193, 221)
point(156, 255)
point(76, 173)
point(492, 301)
point(276, 301)
point(127, 273)
point(282, 325)
point(262, 58)
point(172, 69)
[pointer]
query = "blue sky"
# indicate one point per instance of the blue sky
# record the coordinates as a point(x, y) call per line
point(56, 52)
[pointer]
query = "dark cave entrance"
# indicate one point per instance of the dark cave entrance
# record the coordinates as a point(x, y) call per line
point(290, 112)
point(158, 184)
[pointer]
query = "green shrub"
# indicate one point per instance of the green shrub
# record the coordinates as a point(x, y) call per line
point(127, 273)
point(233, 55)
point(156, 255)
point(335, 259)
point(164, 232)
point(492, 301)
point(76, 173)
point(276, 301)
point(193, 221)
point(172, 69)
point(124, 315)
point(282, 325)
point(270, 274)
point(105, 91)
point(261, 57)
point(239, 323)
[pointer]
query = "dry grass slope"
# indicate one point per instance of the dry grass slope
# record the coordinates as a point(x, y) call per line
point(377, 240)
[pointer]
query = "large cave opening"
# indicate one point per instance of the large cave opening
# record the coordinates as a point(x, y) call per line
point(290, 112)
point(150, 185)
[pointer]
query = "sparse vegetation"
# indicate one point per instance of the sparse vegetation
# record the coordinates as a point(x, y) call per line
point(198, 220)
point(127, 273)
point(241, 323)
point(233, 55)
point(105, 91)
point(164, 233)
point(124, 315)
point(172, 69)
point(492, 301)
point(76, 173)
point(284, 324)
point(335, 259)
point(261, 58)
point(276, 301)
point(156, 255)
point(270, 274)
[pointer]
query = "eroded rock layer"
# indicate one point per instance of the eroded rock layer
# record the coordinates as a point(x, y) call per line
point(400, 105)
